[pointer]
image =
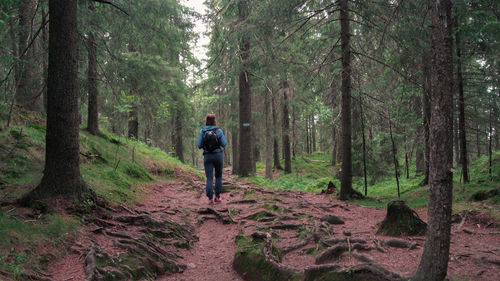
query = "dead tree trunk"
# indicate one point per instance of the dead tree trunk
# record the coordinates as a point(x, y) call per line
point(346, 176)
point(434, 261)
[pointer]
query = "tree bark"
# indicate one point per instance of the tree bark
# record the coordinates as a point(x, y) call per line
point(434, 261)
point(346, 176)
point(245, 138)
point(61, 175)
point(461, 111)
point(286, 128)
point(93, 115)
point(27, 91)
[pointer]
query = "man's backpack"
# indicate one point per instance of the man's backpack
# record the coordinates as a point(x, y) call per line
point(210, 140)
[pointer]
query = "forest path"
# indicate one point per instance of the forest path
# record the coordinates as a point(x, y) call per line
point(175, 224)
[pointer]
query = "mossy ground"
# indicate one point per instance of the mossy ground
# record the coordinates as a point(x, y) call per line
point(118, 174)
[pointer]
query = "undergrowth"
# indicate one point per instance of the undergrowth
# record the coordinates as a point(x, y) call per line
point(312, 173)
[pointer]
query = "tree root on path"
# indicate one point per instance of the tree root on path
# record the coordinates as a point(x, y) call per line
point(225, 219)
point(359, 272)
point(335, 252)
point(400, 243)
point(303, 243)
point(261, 214)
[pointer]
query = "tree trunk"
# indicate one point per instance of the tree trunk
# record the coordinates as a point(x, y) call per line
point(308, 140)
point(478, 142)
point(245, 138)
point(461, 111)
point(61, 175)
point(133, 124)
point(269, 145)
point(426, 112)
point(276, 148)
point(93, 119)
point(27, 91)
point(294, 119)
point(313, 133)
point(419, 149)
point(434, 261)
point(179, 149)
point(394, 157)
point(45, 39)
point(346, 176)
point(234, 135)
point(364, 142)
point(286, 128)
point(456, 145)
point(334, 145)
point(490, 138)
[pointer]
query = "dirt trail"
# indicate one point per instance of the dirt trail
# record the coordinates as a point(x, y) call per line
point(176, 226)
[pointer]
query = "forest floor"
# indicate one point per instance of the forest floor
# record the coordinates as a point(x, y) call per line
point(175, 226)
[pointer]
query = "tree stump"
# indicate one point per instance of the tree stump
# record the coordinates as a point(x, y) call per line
point(401, 220)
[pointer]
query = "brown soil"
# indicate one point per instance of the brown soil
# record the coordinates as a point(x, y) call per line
point(293, 216)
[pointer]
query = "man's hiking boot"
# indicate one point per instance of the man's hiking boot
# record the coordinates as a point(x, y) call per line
point(218, 200)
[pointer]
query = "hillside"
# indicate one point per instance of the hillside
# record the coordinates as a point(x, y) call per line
point(117, 169)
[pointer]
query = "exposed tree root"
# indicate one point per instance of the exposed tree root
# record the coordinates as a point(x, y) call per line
point(333, 253)
point(261, 214)
point(332, 219)
point(400, 243)
point(225, 219)
point(296, 246)
point(360, 272)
